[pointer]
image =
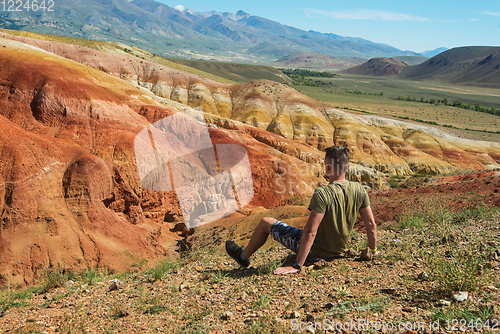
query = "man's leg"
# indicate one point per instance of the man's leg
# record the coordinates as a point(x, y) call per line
point(286, 235)
point(259, 236)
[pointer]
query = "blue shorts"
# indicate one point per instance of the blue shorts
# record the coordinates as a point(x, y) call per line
point(289, 237)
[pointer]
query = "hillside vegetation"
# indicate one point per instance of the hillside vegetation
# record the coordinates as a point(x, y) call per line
point(377, 67)
point(314, 60)
point(472, 65)
point(411, 60)
point(390, 96)
point(118, 49)
point(236, 72)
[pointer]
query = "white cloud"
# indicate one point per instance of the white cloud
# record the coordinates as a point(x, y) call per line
point(309, 15)
point(180, 8)
point(367, 14)
point(491, 13)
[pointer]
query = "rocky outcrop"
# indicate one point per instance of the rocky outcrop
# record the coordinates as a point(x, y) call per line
point(70, 191)
point(388, 146)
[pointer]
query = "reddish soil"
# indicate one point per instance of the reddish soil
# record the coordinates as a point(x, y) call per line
point(454, 192)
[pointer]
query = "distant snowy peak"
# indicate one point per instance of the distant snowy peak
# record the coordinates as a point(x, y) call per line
point(236, 16)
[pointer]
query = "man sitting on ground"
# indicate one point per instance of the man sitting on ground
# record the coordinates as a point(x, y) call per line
point(334, 208)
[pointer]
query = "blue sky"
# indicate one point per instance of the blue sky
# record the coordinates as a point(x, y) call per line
point(408, 25)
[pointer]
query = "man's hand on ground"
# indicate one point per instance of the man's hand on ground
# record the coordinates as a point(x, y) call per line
point(285, 271)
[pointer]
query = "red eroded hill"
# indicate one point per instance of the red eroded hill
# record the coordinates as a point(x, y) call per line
point(70, 189)
point(377, 143)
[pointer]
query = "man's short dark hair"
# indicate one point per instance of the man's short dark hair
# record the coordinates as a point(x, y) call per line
point(338, 157)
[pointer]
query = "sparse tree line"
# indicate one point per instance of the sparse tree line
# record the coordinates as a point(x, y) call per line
point(476, 106)
point(358, 92)
point(303, 77)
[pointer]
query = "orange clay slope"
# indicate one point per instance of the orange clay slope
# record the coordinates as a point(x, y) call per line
point(70, 192)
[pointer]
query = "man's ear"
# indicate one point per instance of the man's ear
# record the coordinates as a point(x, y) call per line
point(328, 169)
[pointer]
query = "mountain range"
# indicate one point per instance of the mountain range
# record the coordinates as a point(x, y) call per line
point(166, 31)
point(476, 65)
point(470, 65)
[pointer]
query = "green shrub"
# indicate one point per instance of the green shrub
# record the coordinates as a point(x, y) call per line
point(459, 312)
point(269, 267)
point(89, 276)
point(266, 324)
point(12, 299)
point(155, 309)
point(53, 277)
point(163, 267)
point(263, 301)
point(454, 268)
point(430, 214)
point(464, 216)
point(218, 276)
point(412, 222)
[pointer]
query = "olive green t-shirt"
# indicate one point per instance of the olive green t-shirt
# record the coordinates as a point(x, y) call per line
point(340, 203)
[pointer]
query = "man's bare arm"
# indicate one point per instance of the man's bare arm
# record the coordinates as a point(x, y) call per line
point(306, 241)
point(371, 226)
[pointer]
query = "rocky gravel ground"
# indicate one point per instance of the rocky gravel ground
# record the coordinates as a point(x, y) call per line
point(438, 273)
point(204, 291)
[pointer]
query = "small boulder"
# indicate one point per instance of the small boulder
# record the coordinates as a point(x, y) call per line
point(366, 255)
point(409, 309)
point(122, 313)
point(69, 283)
point(115, 285)
point(423, 275)
point(183, 286)
point(328, 305)
point(493, 320)
point(306, 307)
point(444, 302)
point(349, 252)
point(293, 315)
point(227, 315)
point(460, 296)
point(320, 264)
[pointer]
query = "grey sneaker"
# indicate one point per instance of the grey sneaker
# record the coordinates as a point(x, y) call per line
point(234, 251)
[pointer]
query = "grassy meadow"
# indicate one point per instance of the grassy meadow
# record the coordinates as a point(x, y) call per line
point(376, 95)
